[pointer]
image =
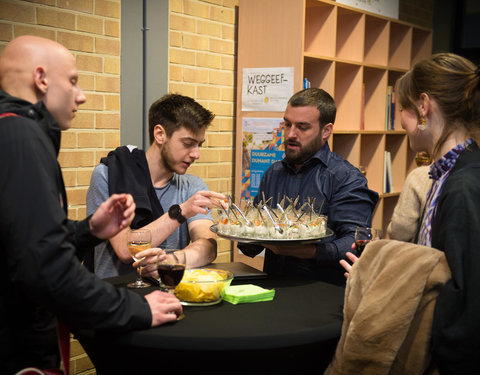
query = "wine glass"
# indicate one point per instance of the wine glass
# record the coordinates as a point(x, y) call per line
point(170, 271)
point(138, 240)
point(363, 235)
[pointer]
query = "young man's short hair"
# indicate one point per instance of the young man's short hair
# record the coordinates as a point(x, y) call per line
point(173, 111)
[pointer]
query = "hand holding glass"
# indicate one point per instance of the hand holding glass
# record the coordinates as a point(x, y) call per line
point(170, 271)
point(363, 235)
point(138, 240)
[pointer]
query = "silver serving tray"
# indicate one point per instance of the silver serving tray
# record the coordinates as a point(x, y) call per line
point(293, 241)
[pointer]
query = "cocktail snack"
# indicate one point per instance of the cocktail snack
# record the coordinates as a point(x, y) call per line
point(284, 221)
point(203, 285)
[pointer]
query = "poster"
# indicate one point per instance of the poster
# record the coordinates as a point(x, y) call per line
point(266, 89)
point(387, 8)
point(262, 145)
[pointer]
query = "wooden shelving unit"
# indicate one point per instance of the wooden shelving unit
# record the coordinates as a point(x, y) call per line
point(352, 54)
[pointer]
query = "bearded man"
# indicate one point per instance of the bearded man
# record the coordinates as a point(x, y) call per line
point(311, 171)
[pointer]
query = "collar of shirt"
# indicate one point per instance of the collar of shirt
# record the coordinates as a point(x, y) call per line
point(321, 156)
point(446, 163)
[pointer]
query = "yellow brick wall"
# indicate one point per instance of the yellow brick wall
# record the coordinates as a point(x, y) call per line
point(202, 50)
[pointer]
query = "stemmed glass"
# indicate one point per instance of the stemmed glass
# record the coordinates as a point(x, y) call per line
point(170, 271)
point(138, 240)
point(363, 235)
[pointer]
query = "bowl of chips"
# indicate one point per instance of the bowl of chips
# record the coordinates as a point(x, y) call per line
point(203, 286)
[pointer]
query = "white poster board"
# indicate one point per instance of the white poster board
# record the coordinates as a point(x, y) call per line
point(387, 8)
point(266, 89)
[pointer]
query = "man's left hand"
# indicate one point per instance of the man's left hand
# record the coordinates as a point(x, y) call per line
point(112, 216)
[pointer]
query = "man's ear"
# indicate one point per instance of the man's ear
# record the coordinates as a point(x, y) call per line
point(40, 79)
point(159, 134)
point(326, 131)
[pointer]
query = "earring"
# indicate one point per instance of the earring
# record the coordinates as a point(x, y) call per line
point(423, 124)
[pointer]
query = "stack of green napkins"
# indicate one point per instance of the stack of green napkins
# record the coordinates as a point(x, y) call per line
point(247, 293)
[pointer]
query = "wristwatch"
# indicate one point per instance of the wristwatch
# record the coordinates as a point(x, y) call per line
point(175, 212)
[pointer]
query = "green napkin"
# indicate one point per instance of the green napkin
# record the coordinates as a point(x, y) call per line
point(247, 293)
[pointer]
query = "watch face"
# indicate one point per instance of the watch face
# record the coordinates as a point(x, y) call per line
point(175, 212)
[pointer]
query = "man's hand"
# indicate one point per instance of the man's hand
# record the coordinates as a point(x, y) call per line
point(201, 202)
point(165, 307)
point(151, 257)
point(113, 215)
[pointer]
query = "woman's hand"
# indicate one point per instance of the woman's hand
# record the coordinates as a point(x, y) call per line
point(352, 257)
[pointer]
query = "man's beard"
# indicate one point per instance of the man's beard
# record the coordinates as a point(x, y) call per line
point(304, 152)
point(167, 160)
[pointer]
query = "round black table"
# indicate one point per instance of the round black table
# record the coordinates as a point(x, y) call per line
point(297, 330)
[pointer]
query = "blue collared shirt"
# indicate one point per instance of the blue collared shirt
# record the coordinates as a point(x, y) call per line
point(341, 193)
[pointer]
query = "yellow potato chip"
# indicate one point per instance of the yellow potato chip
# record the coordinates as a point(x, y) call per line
point(202, 285)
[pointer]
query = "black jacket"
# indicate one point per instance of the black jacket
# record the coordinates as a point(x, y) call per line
point(456, 230)
point(40, 273)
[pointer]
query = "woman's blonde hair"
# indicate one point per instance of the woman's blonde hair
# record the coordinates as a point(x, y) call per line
point(454, 83)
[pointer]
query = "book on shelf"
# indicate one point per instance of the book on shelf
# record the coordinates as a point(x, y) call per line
point(306, 83)
point(388, 176)
point(390, 109)
point(362, 108)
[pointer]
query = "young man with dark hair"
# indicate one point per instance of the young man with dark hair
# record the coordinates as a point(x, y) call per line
point(174, 205)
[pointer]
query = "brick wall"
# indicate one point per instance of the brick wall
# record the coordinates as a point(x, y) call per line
point(202, 65)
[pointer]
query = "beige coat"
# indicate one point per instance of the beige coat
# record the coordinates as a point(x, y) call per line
point(388, 309)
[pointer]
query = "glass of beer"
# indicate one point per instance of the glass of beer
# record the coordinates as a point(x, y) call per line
point(138, 240)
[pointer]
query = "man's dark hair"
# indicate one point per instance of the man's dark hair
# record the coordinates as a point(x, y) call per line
point(316, 98)
point(173, 111)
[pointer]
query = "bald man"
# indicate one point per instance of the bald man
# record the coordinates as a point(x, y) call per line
point(41, 276)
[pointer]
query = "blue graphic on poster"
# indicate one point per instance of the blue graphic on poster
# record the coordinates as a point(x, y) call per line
point(262, 146)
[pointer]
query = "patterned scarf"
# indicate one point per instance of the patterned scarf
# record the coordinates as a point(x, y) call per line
point(439, 172)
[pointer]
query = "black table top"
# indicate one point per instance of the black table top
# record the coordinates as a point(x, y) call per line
point(303, 313)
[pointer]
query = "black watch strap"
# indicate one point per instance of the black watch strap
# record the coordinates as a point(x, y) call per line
point(175, 212)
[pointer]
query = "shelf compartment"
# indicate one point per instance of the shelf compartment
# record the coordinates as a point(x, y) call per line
point(397, 145)
point(376, 38)
point(320, 73)
point(371, 158)
point(347, 94)
point(400, 50)
point(347, 146)
point(350, 35)
point(377, 217)
point(320, 28)
point(389, 203)
point(375, 83)
point(393, 76)
point(421, 45)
